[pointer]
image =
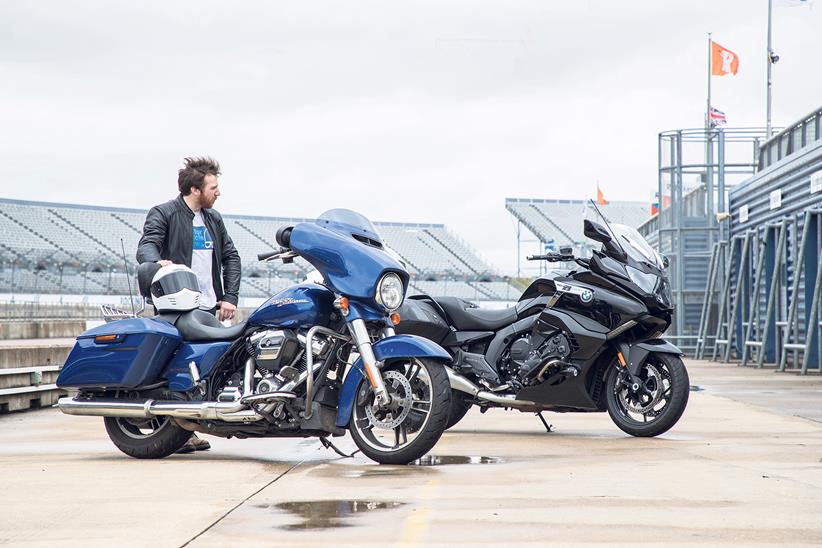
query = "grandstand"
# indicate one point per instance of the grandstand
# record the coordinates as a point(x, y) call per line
point(53, 248)
point(558, 223)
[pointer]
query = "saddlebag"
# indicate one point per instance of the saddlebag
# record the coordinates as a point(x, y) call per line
point(418, 316)
point(123, 354)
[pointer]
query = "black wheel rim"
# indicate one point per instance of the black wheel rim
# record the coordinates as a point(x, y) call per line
point(653, 396)
point(140, 429)
point(395, 428)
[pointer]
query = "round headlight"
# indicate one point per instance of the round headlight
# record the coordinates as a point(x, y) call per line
point(390, 291)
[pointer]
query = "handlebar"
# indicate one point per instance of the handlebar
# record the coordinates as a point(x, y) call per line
point(283, 253)
point(550, 257)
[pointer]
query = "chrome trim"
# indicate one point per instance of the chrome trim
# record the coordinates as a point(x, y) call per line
point(458, 382)
point(309, 363)
point(386, 332)
point(363, 342)
point(619, 330)
point(248, 378)
point(192, 369)
point(199, 410)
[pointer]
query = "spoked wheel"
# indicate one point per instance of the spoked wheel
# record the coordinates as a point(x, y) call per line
point(411, 424)
point(151, 438)
point(653, 404)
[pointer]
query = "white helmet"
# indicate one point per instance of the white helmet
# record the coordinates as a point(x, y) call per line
point(175, 289)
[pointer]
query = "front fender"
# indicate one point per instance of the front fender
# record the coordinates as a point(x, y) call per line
point(639, 351)
point(385, 350)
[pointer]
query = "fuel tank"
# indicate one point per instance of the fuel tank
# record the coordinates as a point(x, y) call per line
point(302, 305)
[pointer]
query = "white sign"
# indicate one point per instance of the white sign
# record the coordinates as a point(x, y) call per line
point(743, 214)
point(816, 182)
point(776, 198)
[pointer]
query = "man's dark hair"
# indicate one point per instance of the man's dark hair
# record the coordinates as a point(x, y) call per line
point(194, 172)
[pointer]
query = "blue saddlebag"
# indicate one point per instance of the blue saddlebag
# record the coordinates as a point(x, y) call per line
point(122, 354)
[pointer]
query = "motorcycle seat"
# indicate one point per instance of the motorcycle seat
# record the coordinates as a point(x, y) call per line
point(199, 325)
point(466, 316)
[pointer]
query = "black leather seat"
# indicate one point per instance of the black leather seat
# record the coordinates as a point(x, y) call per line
point(465, 316)
point(199, 326)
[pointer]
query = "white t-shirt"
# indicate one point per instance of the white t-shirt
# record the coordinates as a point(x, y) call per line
point(202, 253)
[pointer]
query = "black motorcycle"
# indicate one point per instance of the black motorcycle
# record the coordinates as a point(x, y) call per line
point(589, 341)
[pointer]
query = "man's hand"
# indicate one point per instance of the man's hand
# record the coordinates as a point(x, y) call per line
point(164, 262)
point(227, 310)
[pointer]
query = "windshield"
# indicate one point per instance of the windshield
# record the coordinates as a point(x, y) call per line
point(636, 246)
point(351, 219)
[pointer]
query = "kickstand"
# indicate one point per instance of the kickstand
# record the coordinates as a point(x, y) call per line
point(548, 427)
point(328, 445)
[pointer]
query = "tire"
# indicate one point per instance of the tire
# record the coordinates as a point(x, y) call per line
point(162, 436)
point(370, 428)
point(460, 404)
point(667, 376)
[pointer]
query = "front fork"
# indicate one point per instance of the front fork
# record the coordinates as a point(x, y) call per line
point(372, 370)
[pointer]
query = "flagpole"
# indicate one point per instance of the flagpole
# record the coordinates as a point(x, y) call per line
point(770, 53)
point(708, 110)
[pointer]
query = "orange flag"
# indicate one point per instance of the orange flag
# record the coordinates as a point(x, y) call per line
point(723, 60)
point(601, 197)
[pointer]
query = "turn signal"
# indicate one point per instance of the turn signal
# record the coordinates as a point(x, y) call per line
point(105, 338)
point(395, 318)
point(342, 304)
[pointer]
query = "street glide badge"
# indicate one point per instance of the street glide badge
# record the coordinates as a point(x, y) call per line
point(290, 300)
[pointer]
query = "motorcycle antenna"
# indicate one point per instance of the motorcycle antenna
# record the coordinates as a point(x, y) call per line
point(608, 225)
point(128, 279)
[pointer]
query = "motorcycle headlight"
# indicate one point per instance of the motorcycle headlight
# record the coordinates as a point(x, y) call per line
point(646, 282)
point(390, 291)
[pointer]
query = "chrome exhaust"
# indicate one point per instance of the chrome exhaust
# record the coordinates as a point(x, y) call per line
point(458, 382)
point(109, 407)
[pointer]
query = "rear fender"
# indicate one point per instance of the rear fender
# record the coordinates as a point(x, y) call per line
point(385, 350)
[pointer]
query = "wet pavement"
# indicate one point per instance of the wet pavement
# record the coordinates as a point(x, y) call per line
point(743, 467)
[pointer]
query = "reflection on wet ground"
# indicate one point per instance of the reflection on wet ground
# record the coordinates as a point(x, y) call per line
point(325, 514)
point(438, 460)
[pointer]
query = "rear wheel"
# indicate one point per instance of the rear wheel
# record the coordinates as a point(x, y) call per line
point(151, 438)
point(655, 402)
point(460, 405)
point(411, 424)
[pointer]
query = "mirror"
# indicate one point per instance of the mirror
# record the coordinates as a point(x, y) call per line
point(596, 232)
point(665, 261)
point(566, 251)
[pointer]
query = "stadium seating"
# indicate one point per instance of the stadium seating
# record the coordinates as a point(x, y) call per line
point(76, 249)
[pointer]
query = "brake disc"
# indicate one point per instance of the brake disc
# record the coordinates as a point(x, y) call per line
point(401, 397)
point(635, 405)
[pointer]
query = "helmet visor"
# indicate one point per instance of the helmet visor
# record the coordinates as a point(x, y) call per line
point(174, 283)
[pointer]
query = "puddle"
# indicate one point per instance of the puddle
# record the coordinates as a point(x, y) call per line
point(326, 514)
point(696, 388)
point(438, 460)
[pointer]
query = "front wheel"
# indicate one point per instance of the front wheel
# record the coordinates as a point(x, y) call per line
point(655, 402)
point(411, 424)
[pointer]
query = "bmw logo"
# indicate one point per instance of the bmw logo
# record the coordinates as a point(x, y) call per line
point(587, 296)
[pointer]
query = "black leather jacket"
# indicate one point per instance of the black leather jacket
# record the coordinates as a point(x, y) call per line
point(167, 234)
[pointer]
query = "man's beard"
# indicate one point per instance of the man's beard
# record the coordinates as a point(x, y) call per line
point(205, 203)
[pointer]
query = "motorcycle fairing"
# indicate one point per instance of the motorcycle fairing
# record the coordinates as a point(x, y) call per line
point(391, 348)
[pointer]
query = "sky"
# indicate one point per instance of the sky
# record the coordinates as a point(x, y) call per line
point(405, 111)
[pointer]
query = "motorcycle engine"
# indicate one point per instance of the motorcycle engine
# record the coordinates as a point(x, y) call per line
point(274, 348)
point(530, 354)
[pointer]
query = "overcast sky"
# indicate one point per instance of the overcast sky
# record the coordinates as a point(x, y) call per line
point(406, 111)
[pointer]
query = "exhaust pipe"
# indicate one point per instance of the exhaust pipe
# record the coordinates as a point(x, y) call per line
point(458, 382)
point(109, 407)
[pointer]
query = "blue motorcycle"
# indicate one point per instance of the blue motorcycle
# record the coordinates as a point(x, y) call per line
point(286, 371)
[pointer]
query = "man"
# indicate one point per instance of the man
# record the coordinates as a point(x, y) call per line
point(186, 230)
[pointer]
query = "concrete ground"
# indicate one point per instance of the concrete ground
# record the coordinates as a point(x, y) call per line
point(743, 467)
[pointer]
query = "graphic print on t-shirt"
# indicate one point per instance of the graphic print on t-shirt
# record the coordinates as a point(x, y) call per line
point(202, 239)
